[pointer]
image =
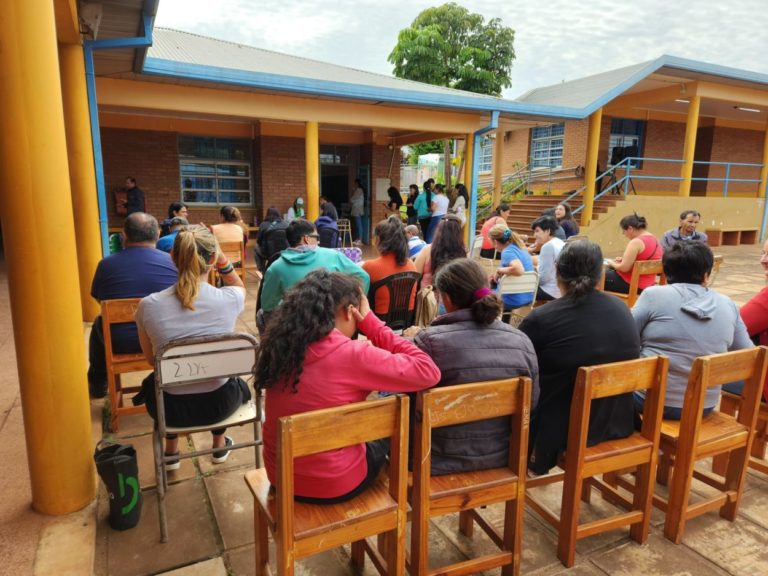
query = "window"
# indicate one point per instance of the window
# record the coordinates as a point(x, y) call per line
point(486, 154)
point(626, 141)
point(215, 171)
point(547, 146)
point(330, 154)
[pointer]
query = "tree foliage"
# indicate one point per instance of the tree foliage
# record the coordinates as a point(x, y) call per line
point(450, 46)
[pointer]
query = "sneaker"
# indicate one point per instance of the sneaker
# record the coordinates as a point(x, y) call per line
point(97, 391)
point(357, 243)
point(171, 465)
point(221, 455)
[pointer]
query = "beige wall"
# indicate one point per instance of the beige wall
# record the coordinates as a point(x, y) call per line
point(663, 214)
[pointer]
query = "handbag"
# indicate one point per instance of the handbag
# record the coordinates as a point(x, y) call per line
point(118, 468)
point(426, 307)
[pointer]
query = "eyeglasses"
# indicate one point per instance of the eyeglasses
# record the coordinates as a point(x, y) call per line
point(315, 236)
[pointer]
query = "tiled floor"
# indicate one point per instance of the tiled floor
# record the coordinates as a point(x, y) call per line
point(210, 509)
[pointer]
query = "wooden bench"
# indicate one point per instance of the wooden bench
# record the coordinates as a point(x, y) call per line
point(731, 236)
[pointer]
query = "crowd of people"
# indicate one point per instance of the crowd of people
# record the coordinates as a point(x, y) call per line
point(323, 344)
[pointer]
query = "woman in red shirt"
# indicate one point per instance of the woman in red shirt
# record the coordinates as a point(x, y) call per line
point(309, 361)
point(499, 216)
point(642, 246)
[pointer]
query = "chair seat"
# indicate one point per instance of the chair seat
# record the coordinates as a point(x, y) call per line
point(468, 490)
point(718, 431)
point(123, 363)
point(311, 519)
point(245, 413)
point(613, 455)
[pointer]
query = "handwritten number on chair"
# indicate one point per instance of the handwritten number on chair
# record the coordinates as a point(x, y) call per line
point(189, 369)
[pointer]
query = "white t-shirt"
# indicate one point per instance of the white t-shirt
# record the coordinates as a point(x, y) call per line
point(164, 319)
point(440, 203)
point(547, 273)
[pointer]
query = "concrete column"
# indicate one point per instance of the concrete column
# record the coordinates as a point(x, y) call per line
point(689, 147)
point(469, 157)
point(312, 153)
point(42, 267)
point(590, 168)
point(498, 163)
point(764, 169)
point(81, 172)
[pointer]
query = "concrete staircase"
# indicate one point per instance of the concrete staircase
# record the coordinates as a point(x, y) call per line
point(529, 208)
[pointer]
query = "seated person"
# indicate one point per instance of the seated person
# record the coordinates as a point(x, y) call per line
point(266, 244)
point(193, 307)
point(685, 320)
point(392, 246)
point(685, 232)
point(564, 217)
point(515, 260)
point(544, 229)
point(175, 209)
point(559, 230)
point(499, 216)
point(308, 361)
point(584, 327)
point(497, 351)
point(231, 228)
point(642, 246)
point(303, 256)
point(415, 243)
point(327, 226)
point(166, 242)
point(328, 209)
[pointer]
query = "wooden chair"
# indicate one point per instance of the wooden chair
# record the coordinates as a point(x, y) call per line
point(463, 492)
point(640, 268)
point(235, 251)
point(120, 311)
point(584, 463)
point(730, 404)
point(694, 438)
point(402, 292)
point(523, 284)
point(302, 530)
point(189, 360)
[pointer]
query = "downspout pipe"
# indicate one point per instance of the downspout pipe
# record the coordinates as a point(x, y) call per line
point(89, 46)
point(475, 171)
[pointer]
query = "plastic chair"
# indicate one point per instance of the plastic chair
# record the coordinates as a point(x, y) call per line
point(477, 245)
point(120, 311)
point(189, 360)
point(463, 492)
point(584, 463)
point(526, 283)
point(695, 437)
point(402, 291)
point(301, 529)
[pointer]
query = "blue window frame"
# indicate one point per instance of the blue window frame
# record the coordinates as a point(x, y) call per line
point(547, 146)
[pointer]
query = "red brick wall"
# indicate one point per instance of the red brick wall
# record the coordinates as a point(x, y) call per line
point(380, 158)
point(735, 145)
point(283, 173)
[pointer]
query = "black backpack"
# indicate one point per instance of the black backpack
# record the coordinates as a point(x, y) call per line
point(274, 240)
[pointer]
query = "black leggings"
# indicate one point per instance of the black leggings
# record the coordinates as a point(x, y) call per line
point(615, 283)
point(375, 456)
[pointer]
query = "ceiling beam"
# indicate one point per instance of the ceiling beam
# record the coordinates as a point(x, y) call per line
point(650, 97)
point(67, 23)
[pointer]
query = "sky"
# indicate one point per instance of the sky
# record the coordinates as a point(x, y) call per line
point(555, 40)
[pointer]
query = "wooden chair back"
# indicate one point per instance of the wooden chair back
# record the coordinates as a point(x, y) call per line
point(695, 437)
point(198, 359)
point(463, 492)
point(641, 268)
point(113, 312)
point(302, 530)
point(235, 252)
point(402, 292)
point(583, 463)
point(730, 404)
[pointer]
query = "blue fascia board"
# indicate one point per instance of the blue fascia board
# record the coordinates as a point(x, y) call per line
point(294, 84)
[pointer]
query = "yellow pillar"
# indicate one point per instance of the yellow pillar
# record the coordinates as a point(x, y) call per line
point(469, 151)
point(764, 169)
point(42, 268)
point(590, 168)
point(81, 172)
point(312, 153)
point(691, 125)
point(498, 163)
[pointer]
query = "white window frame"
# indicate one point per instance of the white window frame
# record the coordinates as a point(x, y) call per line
point(216, 190)
point(547, 144)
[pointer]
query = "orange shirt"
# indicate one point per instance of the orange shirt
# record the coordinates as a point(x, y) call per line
point(378, 269)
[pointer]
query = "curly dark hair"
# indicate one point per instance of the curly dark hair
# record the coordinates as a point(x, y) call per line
point(390, 239)
point(448, 243)
point(307, 314)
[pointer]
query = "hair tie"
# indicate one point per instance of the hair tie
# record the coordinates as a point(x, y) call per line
point(482, 293)
point(506, 235)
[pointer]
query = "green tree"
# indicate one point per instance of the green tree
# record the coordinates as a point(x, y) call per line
point(450, 46)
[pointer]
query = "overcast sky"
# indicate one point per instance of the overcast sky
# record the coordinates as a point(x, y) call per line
point(554, 41)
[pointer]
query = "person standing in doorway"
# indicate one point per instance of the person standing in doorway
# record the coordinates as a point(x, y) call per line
point(357, 200)
point(135, 197)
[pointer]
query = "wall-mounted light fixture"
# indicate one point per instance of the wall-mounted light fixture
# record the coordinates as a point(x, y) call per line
point(682, 101)
point(745, 109)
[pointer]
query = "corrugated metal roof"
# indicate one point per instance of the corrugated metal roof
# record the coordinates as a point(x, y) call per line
point(188, 48)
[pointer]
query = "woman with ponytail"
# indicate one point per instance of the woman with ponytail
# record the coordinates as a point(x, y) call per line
point(515, 259)
point(582, 328)
point(470, 344)
point(192, 307)
point(309, 361)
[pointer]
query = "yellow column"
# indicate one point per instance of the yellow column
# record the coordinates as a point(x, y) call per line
point(468, 162)
point(312, 153)
point(42, 268)
point(764, 169)
point(81, 172)
point(590, 168)
point(498, 163)
point(689, 147)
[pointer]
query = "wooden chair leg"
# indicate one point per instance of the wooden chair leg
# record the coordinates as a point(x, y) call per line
point(113, 383)
point(663, 469)
point(569, 519)
point(735, 477)
point(262, 542)
point(642, 500)
point(466, 525)
point(680, 488)
point(285, 560)
point(357, 553)
point(419, 542)
point(586, 492)
point(513, 534)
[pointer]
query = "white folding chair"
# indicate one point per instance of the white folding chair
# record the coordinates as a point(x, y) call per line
point(527, 282)
point(477, 245)
point(190, 360)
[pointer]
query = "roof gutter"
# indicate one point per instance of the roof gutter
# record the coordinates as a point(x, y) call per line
point(89, 46)
point(476, 170)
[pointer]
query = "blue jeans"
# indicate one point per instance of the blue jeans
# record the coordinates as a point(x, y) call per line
point(670, 412)
point(432, 227)
point(358, 227)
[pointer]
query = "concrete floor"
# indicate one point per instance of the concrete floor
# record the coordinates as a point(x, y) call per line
point(210, 509)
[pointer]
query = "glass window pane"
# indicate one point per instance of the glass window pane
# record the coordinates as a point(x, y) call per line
point(234, 184)
point(195, 147)
point(197, 169)
point(230, 197)
point(199, 196)
point(200, 183)
point(240, 170)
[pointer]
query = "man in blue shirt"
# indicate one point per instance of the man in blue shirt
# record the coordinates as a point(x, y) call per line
point(138, 270)
point(166, 242)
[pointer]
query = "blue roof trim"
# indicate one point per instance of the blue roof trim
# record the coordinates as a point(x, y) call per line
point(283, 83)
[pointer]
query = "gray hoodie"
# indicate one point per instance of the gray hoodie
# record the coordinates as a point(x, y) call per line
point(684, 321)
